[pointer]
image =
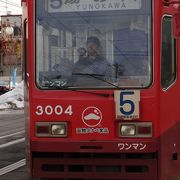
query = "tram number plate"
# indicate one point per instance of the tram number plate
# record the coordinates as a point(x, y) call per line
point(50, 110)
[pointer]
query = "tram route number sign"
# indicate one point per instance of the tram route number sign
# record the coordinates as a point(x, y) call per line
point(54, 6)
point(127, 104)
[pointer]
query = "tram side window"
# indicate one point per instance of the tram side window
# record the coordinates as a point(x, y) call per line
point(168, 56)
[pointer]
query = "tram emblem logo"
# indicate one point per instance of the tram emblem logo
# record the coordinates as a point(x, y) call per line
point(92, 116)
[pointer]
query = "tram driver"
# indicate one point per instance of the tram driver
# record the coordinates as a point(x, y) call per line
point(91, 61)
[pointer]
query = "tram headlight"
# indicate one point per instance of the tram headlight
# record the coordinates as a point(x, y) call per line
point(59, 129)
point(142, 129)
point(51, 129)
point(127, 130)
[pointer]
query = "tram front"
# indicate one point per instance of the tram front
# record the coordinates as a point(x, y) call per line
point(93, 60)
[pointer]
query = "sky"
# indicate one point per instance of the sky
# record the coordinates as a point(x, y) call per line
point(10, 7)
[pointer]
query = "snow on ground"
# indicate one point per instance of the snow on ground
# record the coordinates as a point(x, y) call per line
point(13, 99)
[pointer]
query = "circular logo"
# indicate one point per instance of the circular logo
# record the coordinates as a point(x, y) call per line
point(92, 116)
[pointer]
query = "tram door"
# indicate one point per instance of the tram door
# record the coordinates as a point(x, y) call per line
point(169, 101)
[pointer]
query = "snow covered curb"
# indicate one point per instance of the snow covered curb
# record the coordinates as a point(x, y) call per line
point(13, 99)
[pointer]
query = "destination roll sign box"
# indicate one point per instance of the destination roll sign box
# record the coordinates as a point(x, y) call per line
point(55, 6)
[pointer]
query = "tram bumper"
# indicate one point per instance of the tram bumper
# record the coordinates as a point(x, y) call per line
point(95, 160)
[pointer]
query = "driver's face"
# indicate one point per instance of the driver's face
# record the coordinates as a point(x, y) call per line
point(92, 48)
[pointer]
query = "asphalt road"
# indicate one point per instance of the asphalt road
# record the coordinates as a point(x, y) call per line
point(18, 174)
point(12, 144)
point(11, 121)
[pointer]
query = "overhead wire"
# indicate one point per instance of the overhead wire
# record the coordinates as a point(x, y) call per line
point(11, 3)
point(3, 12)
point(11, 8)
point(8, 6)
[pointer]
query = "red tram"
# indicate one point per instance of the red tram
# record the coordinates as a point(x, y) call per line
point(102, 89)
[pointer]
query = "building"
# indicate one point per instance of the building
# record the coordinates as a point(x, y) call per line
point(10, 49)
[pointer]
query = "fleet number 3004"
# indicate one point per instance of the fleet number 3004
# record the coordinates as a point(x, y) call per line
point(50, 110)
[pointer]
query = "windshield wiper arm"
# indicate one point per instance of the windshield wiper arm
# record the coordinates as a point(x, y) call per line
point(89, 92)
point(96, 77)
point(76, 90)
point(87, 74)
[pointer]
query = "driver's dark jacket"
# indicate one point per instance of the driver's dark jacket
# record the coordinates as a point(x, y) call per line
point(98, 67)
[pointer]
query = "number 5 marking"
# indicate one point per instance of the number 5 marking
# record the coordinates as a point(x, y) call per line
point(127, 104)
point(124, 102)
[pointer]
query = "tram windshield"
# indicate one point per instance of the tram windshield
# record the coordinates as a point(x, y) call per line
point(93, 43)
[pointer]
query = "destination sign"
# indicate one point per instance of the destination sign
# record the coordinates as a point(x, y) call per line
point(55, 6)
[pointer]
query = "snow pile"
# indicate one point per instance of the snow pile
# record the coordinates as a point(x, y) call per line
point(13, 99)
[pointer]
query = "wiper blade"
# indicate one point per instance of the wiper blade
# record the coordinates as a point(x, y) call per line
point(89, 92)
point(55, 86)
point(87, 74)
point(76, 90)
point(96, 77)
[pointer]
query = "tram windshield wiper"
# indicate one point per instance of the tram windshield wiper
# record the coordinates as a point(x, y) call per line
point(81, 91)
point(96, 76)
point(89, 92)
point(62, 86)
point(88, 74)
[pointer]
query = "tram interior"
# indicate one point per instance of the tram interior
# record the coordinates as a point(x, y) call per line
point(125, 44)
